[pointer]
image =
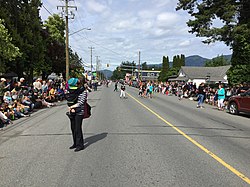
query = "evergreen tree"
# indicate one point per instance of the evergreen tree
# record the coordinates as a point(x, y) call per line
point(144, 66)
point(165, 68)
point(178, 61)
point(175, 62)
point(218, 61)
point(234, 32)
point(37, 45)
point(182, 60)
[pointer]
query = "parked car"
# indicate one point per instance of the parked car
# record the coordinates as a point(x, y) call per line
point(239, 103)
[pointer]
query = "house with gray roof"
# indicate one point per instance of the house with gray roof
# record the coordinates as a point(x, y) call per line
point(202, 74)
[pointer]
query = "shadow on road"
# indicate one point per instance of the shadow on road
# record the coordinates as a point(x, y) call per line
point(95, 138)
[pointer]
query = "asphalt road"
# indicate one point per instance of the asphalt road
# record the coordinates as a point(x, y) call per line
point(129, 142)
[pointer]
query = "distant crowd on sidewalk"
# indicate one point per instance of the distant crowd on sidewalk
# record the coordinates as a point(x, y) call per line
point(217, 94)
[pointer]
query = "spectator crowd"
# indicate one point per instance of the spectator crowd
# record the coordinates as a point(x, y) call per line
point(19, 99)
point(214, 94)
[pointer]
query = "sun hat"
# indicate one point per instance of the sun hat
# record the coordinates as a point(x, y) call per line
point(72, 82)
point(3, 79)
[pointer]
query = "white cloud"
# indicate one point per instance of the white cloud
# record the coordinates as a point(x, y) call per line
point(185, 43)
point(167, 19)
point(119, 28)
point(96, 7)
point(163, 3)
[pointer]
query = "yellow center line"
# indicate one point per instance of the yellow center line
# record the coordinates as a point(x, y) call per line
point(232, 169)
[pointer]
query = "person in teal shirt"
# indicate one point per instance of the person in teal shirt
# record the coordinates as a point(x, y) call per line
point(151, 87)
point(221, 97)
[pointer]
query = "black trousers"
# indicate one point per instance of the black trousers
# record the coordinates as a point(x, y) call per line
point(76, 128)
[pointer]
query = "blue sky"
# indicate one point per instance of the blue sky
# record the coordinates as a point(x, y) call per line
point(120, 28)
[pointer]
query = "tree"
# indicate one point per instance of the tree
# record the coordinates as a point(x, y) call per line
point(24, 25)
point(128, 67)
point(172, 71)
point(118, 74)
point(163, 75)
point(120, 71)
point(56, 28)
point(37, 46)
point(175, 63)
point(178, 61)
point(55, 45)
point(182, 60)
point(234, 30)
point(76, 64)
point(144, 66)
point(218, 61)
point(8, 51)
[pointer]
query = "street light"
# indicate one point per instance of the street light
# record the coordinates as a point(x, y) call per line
point(67, 46)
point(80, 30)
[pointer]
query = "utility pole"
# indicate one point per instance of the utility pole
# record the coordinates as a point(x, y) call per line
point(66, 8)
point(97, 65)
point(91, 50)
point(139, 76)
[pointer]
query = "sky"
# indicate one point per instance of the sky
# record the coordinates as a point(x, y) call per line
point(122, 28)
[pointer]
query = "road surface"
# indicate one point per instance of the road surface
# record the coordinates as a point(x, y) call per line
point(129, 142)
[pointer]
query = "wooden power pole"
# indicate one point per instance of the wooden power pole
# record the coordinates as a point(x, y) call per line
point(91, 51)
point(139, 64)
point(66, 7)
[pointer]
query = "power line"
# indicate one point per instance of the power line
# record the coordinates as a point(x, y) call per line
point(102, 46)
point(47, 10)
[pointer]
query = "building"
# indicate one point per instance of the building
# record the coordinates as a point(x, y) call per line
point(202, 74)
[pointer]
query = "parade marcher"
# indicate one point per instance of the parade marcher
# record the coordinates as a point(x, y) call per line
point(123, 91)
point(76, 99)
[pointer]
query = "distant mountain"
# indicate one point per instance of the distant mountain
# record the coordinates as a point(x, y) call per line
point(107, 73)
point(194, 60)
